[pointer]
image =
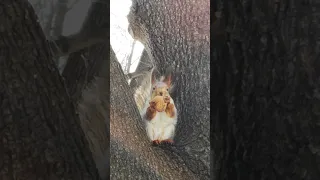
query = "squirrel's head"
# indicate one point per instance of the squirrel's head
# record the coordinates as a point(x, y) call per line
point(162, 87)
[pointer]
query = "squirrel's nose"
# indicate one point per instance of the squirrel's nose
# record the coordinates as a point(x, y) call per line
point(160, 93)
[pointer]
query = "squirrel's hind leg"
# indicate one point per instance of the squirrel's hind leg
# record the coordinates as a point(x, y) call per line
point(150, 132)
point(171, 110)
point(153, 133)
point(168, 133)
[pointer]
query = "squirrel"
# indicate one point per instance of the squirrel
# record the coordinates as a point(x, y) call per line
point(160, 113)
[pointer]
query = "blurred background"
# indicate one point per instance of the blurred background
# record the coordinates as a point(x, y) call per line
point(71, 15)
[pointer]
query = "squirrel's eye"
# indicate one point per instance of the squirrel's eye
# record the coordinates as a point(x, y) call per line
point(167, 89)
point(153, 88)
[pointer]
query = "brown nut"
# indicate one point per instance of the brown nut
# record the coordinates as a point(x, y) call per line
point(160, 104)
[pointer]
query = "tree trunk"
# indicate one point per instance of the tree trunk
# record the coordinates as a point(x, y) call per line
point(176, 34)
point(132, 156)
point(40, 133)
point(266, 91)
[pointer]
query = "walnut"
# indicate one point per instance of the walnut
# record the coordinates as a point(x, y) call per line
point(158, 103)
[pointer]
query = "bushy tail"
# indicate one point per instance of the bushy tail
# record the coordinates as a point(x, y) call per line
point(142, 93)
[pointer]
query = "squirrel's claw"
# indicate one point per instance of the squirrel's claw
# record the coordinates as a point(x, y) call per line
point(150, 114)
point(168, 141)
point(155, 142)
point(167, 99)
point(152, 104)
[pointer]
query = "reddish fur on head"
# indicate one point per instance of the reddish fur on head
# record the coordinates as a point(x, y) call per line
point(161, 88)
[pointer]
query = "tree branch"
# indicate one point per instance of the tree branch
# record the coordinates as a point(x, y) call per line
point(137, 73)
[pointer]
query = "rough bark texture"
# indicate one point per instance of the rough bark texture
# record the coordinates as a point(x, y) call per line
point(132, 155)
point(40, 135)
point(266, 92)
point(176, 34)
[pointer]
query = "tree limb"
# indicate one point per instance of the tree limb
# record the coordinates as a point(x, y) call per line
point(137, 73)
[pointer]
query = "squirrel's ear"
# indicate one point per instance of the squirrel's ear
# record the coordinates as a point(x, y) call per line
point(167, 75)
point(167, 80)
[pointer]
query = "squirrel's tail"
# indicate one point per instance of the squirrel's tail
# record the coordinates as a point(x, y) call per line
point(142, 93)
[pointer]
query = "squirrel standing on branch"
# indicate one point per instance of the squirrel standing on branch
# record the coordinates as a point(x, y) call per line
point(160, 113)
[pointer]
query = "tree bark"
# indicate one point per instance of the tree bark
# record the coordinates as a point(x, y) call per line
point(266, 91)
point(40, 133)
point(176, 34)
point(132, 156)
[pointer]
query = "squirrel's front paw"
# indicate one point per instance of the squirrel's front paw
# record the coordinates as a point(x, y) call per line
point(158, 103)
point(167, 99)
point(152, 105)
point(151, 113)
point(170, 111)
